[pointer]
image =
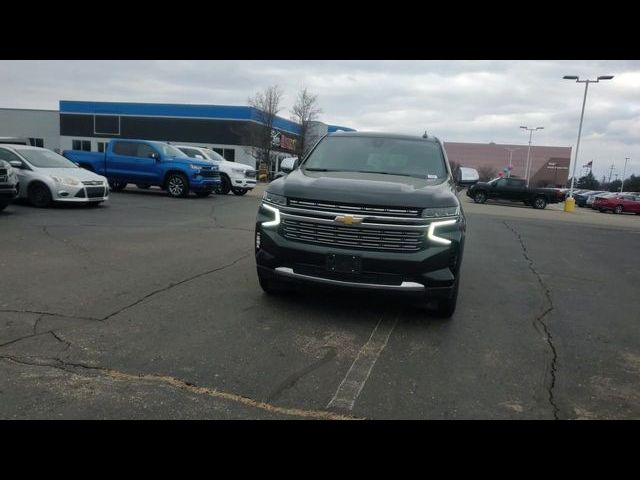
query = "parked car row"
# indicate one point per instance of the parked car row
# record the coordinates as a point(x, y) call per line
point(43, 177)
point(625, 202)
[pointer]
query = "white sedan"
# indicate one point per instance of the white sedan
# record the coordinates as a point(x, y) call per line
point(46, 177)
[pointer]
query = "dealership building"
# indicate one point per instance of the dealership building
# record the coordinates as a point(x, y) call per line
point(232, 130)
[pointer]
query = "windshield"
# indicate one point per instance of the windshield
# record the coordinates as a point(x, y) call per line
point(213, 155)
point(390, 156)
point(169, 151)
point(46, 159)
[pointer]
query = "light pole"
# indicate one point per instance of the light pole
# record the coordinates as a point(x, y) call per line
point(584, 101)
point(624, 171)
point(510, 150)
point(530, 130)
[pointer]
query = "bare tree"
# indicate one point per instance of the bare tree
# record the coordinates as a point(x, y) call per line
point(267, 105)
point(487, 172)
point(304, 111)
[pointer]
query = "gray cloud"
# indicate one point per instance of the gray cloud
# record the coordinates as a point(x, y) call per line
point(475, 101)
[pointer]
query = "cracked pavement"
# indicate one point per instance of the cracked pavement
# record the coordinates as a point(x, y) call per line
point(149, 307)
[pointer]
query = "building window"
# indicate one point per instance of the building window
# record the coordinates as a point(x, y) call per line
point(229, 154)
point(219, 151)
point(106, 124)
point(36, 142)
point(101, 147)
point(84, 145)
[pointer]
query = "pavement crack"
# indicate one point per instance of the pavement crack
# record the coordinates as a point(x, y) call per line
point(60, 339)
point(172, 285)
point(540, 320)
point(49, 314)
point(292, 379)
point(177, 383)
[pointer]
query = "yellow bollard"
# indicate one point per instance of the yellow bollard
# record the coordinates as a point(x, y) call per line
point(569, 204)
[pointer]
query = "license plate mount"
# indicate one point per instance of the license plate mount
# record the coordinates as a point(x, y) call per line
point(344, 263)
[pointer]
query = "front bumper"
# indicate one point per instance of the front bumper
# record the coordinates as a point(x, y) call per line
point(248, 183)
point(80, 193)
point(8, 192)
point(430, 272)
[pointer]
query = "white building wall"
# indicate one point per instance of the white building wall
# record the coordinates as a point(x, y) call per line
point(43, 124)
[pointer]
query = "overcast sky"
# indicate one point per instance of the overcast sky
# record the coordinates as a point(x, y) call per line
point(464, 101)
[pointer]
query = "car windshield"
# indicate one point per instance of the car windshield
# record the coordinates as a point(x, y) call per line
point(391, 156)
point(46, 159)
point(213, 155)
point(169, 150)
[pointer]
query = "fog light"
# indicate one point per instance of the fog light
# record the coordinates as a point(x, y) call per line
point(63, 193)
point(257, 240)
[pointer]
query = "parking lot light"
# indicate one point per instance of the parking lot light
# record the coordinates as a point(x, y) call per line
point(528, 166)
point(624, 172)
point(584, 101)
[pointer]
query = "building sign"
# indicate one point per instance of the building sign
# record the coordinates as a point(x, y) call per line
point(555, 166)
point(279, 139)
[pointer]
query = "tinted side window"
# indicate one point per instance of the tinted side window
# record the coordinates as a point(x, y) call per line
point(515, 183)
point(125, 148)
point(502, 182)
point(144, 150)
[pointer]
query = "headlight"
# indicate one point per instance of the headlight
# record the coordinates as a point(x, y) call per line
point(438, 224)
point(273, 198)
point(197, 168)
point(71, 181)
point(440, 212)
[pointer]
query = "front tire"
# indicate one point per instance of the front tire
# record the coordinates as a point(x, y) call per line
point(539, 203)
point(117, 185)
point(269, 285)
point(447, 307)
point(480, 197)
point(177, 185)
point(239, 191)
point(224, 187)
point(39, 195)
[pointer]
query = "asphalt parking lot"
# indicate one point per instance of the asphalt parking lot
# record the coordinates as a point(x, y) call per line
point(149, 307)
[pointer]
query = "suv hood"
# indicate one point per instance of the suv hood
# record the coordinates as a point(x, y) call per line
point(366, 188)
point(194, 161)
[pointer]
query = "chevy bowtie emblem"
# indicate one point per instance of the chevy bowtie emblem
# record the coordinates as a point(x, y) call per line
point(347, 219)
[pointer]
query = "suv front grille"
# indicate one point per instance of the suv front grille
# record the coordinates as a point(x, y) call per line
point(3, 171)
point(355, 209)
point(207, 173)
point(352, 237)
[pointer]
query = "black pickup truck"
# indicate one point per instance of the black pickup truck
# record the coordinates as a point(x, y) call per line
point(514, 190)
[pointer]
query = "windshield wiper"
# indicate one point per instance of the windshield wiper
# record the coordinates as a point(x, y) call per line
point(415, 175)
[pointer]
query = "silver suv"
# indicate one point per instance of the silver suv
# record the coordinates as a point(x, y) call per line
point(8, 184)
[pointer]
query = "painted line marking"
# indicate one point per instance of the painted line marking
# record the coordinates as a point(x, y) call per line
point(358, 374)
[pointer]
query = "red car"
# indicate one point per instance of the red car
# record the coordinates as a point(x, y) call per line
point(624, 202)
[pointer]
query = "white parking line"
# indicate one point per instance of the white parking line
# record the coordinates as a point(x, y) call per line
point(355, 379)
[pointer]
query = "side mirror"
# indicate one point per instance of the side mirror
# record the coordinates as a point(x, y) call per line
point(467, 176)
point(155, 156)
point(16, 163)
point(288, 165)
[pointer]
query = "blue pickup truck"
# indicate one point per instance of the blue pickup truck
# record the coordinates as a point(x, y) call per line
point(146, 163)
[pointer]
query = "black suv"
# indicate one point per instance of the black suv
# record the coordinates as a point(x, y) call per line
point(367, 211)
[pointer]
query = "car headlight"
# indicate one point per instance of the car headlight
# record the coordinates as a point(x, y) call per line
point(273, 198)
point(431, 232)
point(196, 168)
point(437, 212)
point(71, 181)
